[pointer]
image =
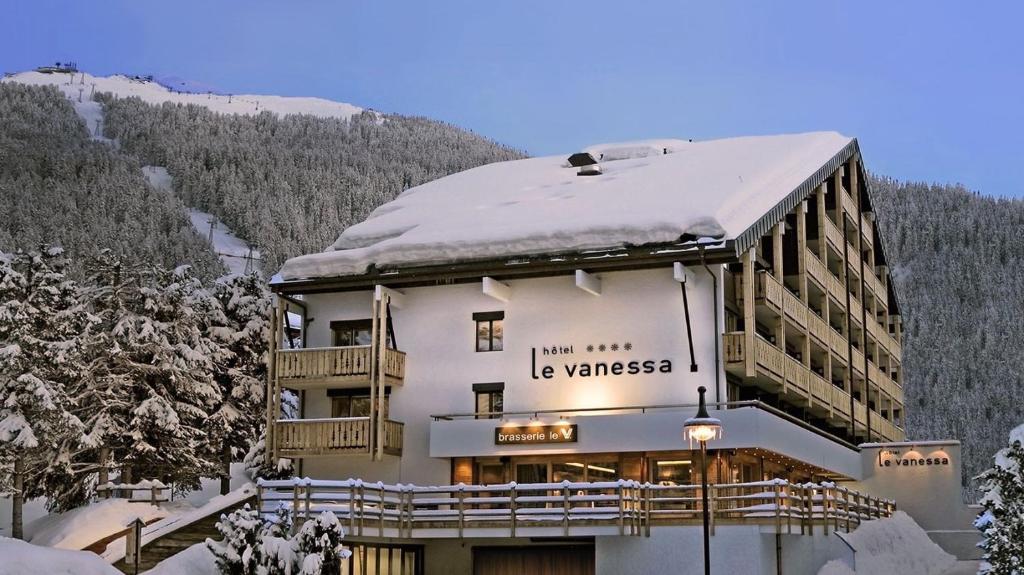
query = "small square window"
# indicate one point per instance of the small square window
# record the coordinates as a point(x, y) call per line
point(490, 400)
point(489, 331)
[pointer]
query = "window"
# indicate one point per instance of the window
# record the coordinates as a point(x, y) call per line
point(357, 332)
point(355, 402)
point(489, 330)
point(490, 399)
point(352, 332)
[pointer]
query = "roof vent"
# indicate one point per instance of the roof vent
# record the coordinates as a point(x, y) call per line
point(586, 163)
point(580, 159)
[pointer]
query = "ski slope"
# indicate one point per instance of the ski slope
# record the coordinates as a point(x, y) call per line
point(85, 84)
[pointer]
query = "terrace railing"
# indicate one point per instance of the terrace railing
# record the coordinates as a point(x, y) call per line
point(566, 509)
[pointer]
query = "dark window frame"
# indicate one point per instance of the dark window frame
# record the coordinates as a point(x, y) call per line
point(491, 391)
point(488, 317)
point(357, 392)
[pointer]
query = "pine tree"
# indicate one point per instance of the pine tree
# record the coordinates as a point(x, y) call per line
point(319, 545)
point(1002, 521)
point(256, 462)
point(41, 321)
point(239, 328)
point(151, 385)
point(238, 553)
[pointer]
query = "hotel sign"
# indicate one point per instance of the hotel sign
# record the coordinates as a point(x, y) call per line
point(535, 434)
point(912, 458)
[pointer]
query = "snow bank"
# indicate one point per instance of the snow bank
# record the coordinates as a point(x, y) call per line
point(154, 93)
point(716, 188)
point(81, 527)
point(20, 558)
point(196, 560)
point(893, 545)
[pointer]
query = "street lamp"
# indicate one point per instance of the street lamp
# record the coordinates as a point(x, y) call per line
point(703, 428)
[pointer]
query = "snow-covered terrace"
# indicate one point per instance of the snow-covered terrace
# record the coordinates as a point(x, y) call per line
point(649, 193)
point(566, 509)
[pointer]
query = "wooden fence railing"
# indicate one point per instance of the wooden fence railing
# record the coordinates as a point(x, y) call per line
point(565, 509)
point(324, 363)
point(332, 436)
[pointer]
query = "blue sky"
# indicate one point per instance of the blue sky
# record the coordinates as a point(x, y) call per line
point(933, 90)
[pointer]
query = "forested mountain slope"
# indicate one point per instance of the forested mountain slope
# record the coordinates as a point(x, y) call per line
point(957, 261)
point(291, 184)
point(59, 187)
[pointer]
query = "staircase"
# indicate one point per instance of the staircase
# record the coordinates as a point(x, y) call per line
point(172, 535)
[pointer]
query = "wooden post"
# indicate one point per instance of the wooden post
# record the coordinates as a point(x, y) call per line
point(712, 493)
point(382, 343)
point(375, 329)
point(269, 435)
point(351, 508)
point(622, 525)
point(512, 508)
point(749, 319)
point(647, 515)
point(295, 509)
point(104, 471)
point(565, 510)
point(778, 508)
point(462, 508)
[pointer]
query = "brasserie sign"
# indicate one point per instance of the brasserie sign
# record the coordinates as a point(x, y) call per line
point(534, 434)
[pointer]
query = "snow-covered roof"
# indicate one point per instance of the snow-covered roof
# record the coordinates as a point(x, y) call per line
point(154, 93)
point(649, 192)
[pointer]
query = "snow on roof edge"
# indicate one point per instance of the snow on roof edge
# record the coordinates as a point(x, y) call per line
point(775, 164)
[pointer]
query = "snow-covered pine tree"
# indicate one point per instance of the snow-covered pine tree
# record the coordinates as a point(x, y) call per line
point(150, 385)
point(41, 320)
point(239, 552)
point(256, 462)
point(239, 328)
point(1002, 521)
point(319, 546)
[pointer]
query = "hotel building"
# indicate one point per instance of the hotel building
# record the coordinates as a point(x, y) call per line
point(493, 369)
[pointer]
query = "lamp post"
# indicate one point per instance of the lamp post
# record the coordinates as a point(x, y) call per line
point(703, 428)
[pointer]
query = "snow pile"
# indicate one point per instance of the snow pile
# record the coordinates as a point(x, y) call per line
point(20, 558)
point(84, 526)
point(717, 188)
point(196, 560)
point(893, 545)
point(154, 93)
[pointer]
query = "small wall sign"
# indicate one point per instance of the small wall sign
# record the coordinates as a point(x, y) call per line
point(535, 434)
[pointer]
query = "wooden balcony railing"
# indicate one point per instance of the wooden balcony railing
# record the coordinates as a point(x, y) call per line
point(821, 390)
point(857, 361)
point(566, 509)
point(816, 270)
point(796, 374)
point(818, 329)
point(334, 436)
point(840, 401)
point(837, 290)
point(848, 204)
point(299, 368)
point(838, 343)
point(770, 360)
point(856, 309)
point(795, 308)
point(860, 414)
point(833, 236)
point(868, 230)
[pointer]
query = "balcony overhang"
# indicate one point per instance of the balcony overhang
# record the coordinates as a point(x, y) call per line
point(648, 429)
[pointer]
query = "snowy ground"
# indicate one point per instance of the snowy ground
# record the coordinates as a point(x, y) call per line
point(893, 545)
point(154, 93)
point(196, 560)
point(232, 250)
point(81, 527)
point(20, 558)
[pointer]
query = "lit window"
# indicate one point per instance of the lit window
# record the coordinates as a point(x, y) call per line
point(489, 330)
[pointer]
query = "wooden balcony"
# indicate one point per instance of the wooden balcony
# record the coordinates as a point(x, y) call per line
point(856, 309)
point(816, 270)
point(335, 367)
point(795, 309)
point(797, 375)
point(857, 361)
point(849, 205)
point(335, 436)
point(837, 342)
point(841, 402)
point(833, 236)
point(820, 389)
point(868, 231)
point(819, 329)
point(769, 360)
